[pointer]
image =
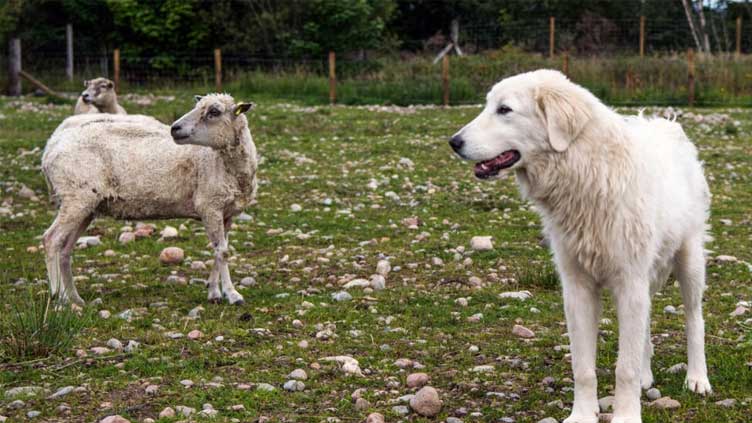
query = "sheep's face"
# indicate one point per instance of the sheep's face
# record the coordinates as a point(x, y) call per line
point(98, 91)
point(211, 123)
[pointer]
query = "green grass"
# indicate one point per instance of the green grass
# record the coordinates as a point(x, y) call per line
point(416, 317)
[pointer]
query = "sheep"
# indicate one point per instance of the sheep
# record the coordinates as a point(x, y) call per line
point(98, 97)
point(203, 167)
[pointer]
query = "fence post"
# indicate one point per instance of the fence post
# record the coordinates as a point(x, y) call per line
point(116, 68)
point(642, 36)
point(14, 67)
point(332, 78)
point(738, 36)
point(69, 51)
point(565, 64)
point(551, 36)
point(218, 69)
point(445, 78)
point(691, 77)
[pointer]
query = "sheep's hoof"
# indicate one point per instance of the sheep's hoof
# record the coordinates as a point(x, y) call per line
point(238, 303)
point(215, 300)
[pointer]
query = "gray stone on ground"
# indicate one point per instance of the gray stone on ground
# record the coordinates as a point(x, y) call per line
point(416, 380)
point(115, 419)
point(665, 403)
point(23, 391)
point(481, 243)
point(728, 403)
point(653, 394)
point(375, 418)
point(677, 368)
point(401, 410)
point(265, 387)
point(606, 404)
point(426, 402)
point(341, 296)
point(294, 386)
point(546, 420)
point(61, 392)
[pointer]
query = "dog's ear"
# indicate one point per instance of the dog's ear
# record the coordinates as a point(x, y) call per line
point(564, 112)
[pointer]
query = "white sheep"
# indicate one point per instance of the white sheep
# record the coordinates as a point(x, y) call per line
point(98, 97)
point(204, 167)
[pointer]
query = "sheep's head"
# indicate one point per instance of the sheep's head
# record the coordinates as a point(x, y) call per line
point(212, 123)
point(98, 91)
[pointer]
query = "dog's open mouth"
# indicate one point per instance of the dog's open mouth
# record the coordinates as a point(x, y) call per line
point(489, 168)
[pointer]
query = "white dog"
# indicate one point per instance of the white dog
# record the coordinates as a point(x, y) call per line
point(624, 202)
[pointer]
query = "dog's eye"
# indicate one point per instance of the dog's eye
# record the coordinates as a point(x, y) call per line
point(502, 110)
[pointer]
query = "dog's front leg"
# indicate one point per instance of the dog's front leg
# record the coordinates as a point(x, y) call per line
point(632, 299)
point(582, 306)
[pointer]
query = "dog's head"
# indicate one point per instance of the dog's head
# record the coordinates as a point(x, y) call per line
point(526, 115)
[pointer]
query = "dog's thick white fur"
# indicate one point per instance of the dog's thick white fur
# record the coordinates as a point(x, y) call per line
point(624, 202)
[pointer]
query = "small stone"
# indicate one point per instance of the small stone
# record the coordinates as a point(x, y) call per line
point(114, 419)
point(303, 344)
point(244, 217)
point(522, 332)
point(198, 265)
point(677, 368)
point(341, 296)
point(109, 253)
point(400, 410)
point(483, 369)
point(265, 387)
point(669, 309)
point(653, 394)
point(15, 405)
point(383, 267)
point(665, 403)
point(416, 380)
point(362, 404)
point(238, 407)
point(33, 414)
point(104, 314)
point(481, 243)
point(169, 232)
point(378, 282)
point(728, 403)
point(172, 255)
point(187, 383)
point(23, 391)
point(517, 295)
point(127, 237)
point(403, 363)
point(375, 418)
point(606, 404)
point(294, 385)
point(357, 283)
point(475, 281)
point(475, 318)
point(61, 392)
point(194, 334)
point(185, 411)
point(298, 374)
point(726, 259)
point(739, 311)
point(151, 389)
point(89, 241)
point(295, 208)
point(100, 350)
point(131, 346)
point(426, 402)
point(115, 344)
point(195, 312)
point(546, 420)
point(462, 302)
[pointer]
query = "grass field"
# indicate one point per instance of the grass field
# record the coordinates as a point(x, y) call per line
point(345, 167)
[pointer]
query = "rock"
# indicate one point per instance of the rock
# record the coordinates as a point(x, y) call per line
point(517, 295)
point(357, 283)
point(109, 253)
point(362, 404)
point(169, 232)
point(653, 394)
point(198, 265)
point(172, 255)
point(453, 420)
point(546, 420)
point(475, 281)
point(248, 281)
point(669, 309)
point(265, 387)
point(481, 243)
point(194, 334)
point(131, 346)
point(383, 267)
point(739, 311)
point(33, 414)
point(726, 259)
point(3, 419)
point(294, 385)
point(416, 380)
point(23, 391)
point(126, 237)
point(185, 411)
point(298, 374)
point(462, 302)
point(522, 332)
point(483, 369)
point(665, 403)
point(378, 282)
point(115, 419)
point(475, 318)
point(606, 404)
point(89, 241)
point(341, 296)
point(375, 418)
point(195, 312)
point(349, 365)
point(400, 410)
point(728, 403)
point(61, 392)
point(104, 314)
point(115, 344)
point(426, 402)
point(244, 217)
point(677, 368)
point(151, 389)
point(15, 405)
point(295, 208)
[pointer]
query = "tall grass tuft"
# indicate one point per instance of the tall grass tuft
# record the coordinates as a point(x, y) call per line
point(34, 328)
point(540, 275)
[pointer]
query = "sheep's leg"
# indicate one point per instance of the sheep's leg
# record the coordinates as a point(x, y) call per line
point(215, 295)
point(66, 256)
point(59, 240)
point(52, 246)
point(215, 230)
point(233, 296)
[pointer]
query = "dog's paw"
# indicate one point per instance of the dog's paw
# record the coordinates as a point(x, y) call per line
point(578, 418)
point(646, 379)
point(235, 298)
point(698, 384)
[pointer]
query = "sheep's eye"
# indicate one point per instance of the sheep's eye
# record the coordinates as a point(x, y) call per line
point(213, 112)
point(502, 110)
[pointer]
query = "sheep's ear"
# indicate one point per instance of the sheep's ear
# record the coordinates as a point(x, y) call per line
point(197, 98)
point(110, 85)
point(242, 108)
point(86, 83)
point(564, 113)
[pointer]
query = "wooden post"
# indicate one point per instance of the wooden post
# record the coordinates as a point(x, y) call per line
point(691, 77)
point(14, 67)
point(116, 68)
point(738, 37)
point(642, 36)
point(35, 82)
point(445, 78)
point(218, 69)
point(332, 78)
point(551, 36)
point(69, 51)
point(565, 63)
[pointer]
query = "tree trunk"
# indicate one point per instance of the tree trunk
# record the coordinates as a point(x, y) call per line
point(703, 27)
point(691, 22)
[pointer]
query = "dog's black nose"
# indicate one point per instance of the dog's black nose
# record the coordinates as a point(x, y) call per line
point(85, 96)
point(175, 129)
point(457, 142)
